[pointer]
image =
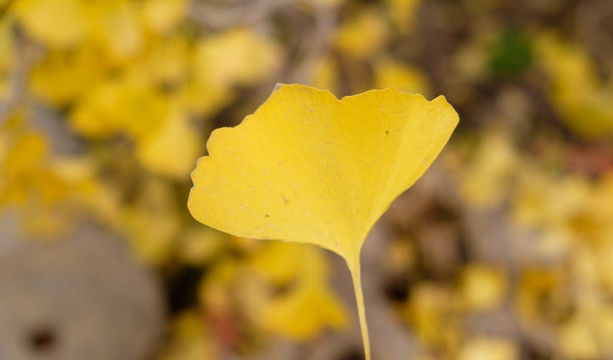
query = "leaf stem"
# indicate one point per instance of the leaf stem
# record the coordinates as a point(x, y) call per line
point(359, 297)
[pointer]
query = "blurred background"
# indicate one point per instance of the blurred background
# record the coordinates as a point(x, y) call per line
point(502, 251)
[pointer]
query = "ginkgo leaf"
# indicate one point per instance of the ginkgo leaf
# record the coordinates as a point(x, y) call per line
point(307, 167)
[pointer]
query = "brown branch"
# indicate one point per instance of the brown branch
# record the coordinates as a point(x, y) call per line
point(318, 45)
point(220, 17)
point(23, 60)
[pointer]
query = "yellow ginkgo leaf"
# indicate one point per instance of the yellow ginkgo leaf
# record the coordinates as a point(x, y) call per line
point(309, 168)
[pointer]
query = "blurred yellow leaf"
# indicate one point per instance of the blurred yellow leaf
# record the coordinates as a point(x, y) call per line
point(57, 23)
point(488, 349)
point(603, 255)
point(49, 192)
point(302, 312)
point(173, 148)
point(228, 59)
point(129, 106)
point(482, 287)
point(363, 35)
point(539, 294)
point(279, 263)
point(199, 245)
point(583, 100)
point(577, 342)
point(152, 222)
point(64, 75)
point(307, 167)
point(307, 305)
point(401, 76)
point(326, 74)
point(214, 292)
point(116, 27)
point(166, 62)
point(403, 13)
point(429, 312)
point(602, 319)
point(189, 338)
point(162, 15)
point(494, 163)
point(22, 166)
point(236, 57)
point(564, 209)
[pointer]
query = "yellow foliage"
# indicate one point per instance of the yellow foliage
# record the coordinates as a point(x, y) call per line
point(566, 210)
point(49, 192)
point(296, 303)
point(139, 82)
